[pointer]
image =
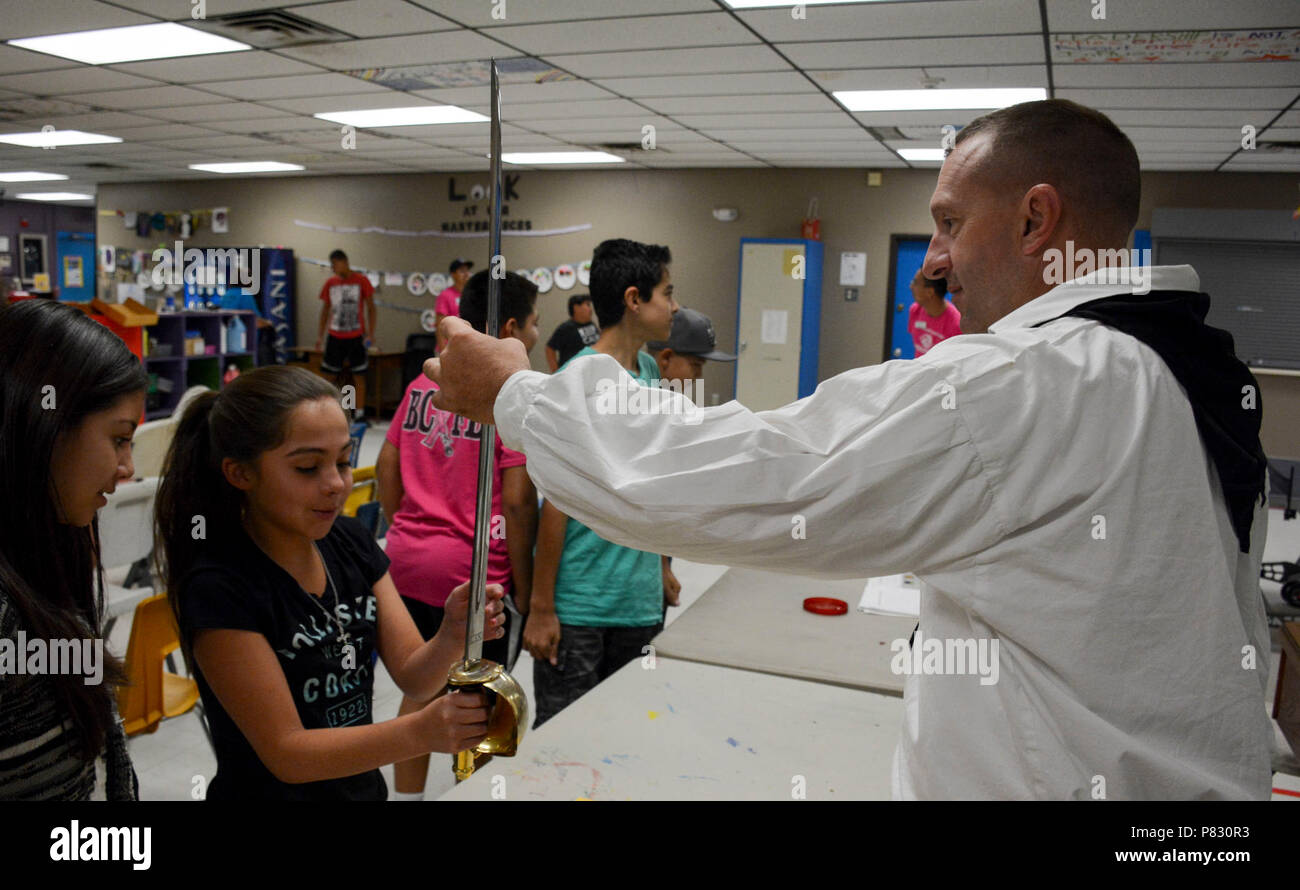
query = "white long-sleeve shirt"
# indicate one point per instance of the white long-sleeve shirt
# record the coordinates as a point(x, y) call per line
point(1047, 484)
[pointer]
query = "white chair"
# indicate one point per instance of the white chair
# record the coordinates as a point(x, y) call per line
point(153, 437)
point(125, 538)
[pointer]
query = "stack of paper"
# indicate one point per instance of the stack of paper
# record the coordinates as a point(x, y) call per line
point(892, 595)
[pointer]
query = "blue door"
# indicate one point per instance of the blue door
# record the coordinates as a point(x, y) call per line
point(909, 254)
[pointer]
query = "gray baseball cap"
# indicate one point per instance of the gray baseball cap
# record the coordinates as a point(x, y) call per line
point(692, 334)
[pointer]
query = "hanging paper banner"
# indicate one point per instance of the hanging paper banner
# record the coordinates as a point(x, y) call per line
point(435, 233)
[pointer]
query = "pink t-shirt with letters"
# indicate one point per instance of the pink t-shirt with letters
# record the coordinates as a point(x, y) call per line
point(431, 539)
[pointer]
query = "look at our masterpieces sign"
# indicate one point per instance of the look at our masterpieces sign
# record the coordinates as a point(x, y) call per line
point(476, 215)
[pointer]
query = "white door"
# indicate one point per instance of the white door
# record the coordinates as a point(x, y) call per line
point(770, 324)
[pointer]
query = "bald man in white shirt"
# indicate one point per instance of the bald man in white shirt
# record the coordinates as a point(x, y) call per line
point(1079, 479)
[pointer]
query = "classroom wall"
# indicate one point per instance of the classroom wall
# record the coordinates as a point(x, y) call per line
point(670, 207)
point(37, 218)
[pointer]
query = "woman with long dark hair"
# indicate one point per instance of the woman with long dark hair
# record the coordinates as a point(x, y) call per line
point(71, 394)
point(283, 604)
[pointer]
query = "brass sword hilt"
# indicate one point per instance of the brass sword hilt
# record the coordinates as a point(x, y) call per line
point(507, 711)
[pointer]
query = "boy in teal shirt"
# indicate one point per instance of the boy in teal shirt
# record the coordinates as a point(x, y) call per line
point(595, 604)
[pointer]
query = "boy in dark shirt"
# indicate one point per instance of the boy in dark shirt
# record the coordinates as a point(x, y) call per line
point(574, 335)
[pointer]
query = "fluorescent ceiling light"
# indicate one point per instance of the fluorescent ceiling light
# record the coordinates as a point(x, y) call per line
point(404, 117)
point(247, 167)
point(53, 196)
point(935, 100)
point(106, 46)
point(56, 138)
point(921, 154)
point(755, 4)
point(30, 176)
point(560, 157)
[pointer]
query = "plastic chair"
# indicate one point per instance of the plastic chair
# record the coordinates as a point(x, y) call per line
point(357, 432)
point(371, 516)
point(153, 437)
point(154, 694)
point(125, 539)
point(365, 489)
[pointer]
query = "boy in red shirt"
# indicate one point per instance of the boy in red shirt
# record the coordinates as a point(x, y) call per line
point(428, 487)
point(349, 338)
point(931, 319)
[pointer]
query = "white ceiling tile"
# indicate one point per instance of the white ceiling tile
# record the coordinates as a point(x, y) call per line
point(697, 29)
point(64, 16)
point(102, 121)
point(668, 163)
point(1064, 16)
point(809, 121)
point(732, 137)
point(518, 93)
point(215, 112)
point(1180, 98)
point(14, 60)
point(1182, 117)
point(171, 10)
point(149, 97)
point(479, 13)
point(938, 18)
point(933, 52)
point(382, 98)
point(950, 78)
point(292, 87)
point(273, 125)
point(695, 60)
point(394, 52)
point(864, 144)
point(621, 129)
point(157, 131)
point(218, 66)
point(84, 78)
point(710, 85)
point(1185, 74)
point(215, 140)
point(373, 18)
point(591, 108)
point(673, 105)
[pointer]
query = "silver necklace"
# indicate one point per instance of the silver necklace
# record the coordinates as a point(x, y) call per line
point(344, 637)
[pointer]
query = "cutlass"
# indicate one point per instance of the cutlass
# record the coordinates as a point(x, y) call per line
point(508, 710)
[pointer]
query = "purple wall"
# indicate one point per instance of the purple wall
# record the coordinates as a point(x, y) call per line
point(42, 219)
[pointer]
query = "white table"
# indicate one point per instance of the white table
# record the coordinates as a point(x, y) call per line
point(689, 731)
point(756, 620)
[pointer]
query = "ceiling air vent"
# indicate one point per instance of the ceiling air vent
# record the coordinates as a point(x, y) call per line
point(269, 29)
point(1279, 145)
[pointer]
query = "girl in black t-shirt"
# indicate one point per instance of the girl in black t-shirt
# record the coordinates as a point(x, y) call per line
point(283, 605)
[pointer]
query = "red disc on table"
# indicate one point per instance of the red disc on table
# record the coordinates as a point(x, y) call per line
point(824, 605)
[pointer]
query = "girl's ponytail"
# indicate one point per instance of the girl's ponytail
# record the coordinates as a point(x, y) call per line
point(195, 507)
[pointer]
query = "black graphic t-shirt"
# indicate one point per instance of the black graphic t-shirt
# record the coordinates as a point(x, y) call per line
point(570, 338)
point(239, 587)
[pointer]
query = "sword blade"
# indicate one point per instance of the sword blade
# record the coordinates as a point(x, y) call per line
point(487, 441)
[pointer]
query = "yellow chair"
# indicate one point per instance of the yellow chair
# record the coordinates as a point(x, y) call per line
point(364, 490)
point(153, 693)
